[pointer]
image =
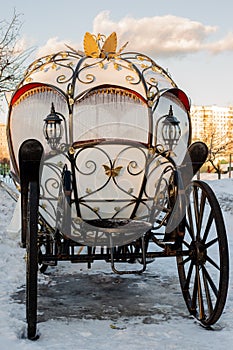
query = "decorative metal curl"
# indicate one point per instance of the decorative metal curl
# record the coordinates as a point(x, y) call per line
point(133, 165)
point(132, 80)
point(90, 78)
point(58, 60)
point(90, 163)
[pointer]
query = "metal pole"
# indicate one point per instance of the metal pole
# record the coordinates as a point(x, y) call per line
point(230, 166)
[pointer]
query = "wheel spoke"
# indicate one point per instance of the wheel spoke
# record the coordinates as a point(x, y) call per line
point(186, 244)
point(194, 294)
point(188, 228)
point(212, 262)
point(200, 297)
point(210, 243)
point(207, 292)
point(190, 218)
point(186, 260)
point(211, 282)
point(208, 225)
point(201, 213)
point(196, 206)
point(187, 283)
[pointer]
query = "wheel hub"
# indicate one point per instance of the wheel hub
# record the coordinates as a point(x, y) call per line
point(198, 252)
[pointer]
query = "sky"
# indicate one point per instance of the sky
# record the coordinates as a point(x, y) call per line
point(192, 40)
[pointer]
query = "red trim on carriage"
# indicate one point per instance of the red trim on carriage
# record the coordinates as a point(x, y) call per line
point(182, 97)
point(22, 90)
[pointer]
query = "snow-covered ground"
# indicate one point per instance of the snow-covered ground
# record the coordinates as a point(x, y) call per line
point(94, 309)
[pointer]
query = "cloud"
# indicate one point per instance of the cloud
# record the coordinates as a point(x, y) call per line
point(53, 45)
point(159, 35)
point(163, 35)
point(21, 45)
point(225, 44)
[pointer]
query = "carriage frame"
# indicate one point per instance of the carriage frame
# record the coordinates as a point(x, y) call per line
point(175, 217)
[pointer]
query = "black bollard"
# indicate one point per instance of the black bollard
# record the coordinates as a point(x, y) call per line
point(30, 157)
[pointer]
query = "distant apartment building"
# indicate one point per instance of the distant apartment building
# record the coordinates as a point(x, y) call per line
point(212, 123)
point(4, 152)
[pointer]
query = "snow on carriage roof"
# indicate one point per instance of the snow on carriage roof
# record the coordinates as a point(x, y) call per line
point(74, 73)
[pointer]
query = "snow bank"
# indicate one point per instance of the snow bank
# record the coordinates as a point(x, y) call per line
point(169, 327)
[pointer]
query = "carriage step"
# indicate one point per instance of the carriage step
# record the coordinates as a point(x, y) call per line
point(128, 272)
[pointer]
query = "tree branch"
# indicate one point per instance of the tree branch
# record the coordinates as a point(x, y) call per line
point(11, 58)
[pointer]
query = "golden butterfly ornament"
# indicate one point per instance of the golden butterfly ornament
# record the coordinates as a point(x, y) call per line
point(112, 172)
point(93, 48)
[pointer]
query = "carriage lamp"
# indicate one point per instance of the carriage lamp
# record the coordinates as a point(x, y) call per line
point(171, 129)
point(52, 128)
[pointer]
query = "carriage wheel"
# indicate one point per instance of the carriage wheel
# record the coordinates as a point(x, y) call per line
point(32, 261)
point(203, 265)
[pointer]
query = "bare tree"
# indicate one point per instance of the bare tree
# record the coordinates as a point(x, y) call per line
point(12, 57)
point(217, 146)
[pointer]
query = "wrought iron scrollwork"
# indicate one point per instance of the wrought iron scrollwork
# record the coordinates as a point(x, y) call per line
point(152, 174)
point(74, 67)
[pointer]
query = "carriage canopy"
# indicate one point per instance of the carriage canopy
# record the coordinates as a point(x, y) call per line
point(102, 92)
